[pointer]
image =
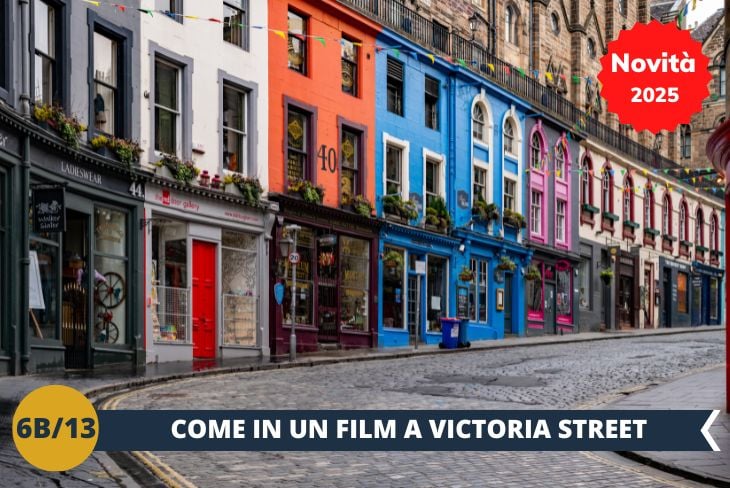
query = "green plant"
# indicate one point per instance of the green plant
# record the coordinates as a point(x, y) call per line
point(250, 188)
point(393, 259)
point(506, 264)
point(606, 275)
point(532, 273)
point(99, 142)
point(466, 275)
point(183, 171)
point(126, 150)
point(309, 192)
point(515, 219)
point(483, 211)
point(395, 205)
point(43, 113)
point(437, 214)
point(362, 206)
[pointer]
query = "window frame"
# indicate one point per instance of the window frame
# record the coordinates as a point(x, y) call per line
point(399, 90)
point(343, 125)
point(648, 206)
point(479, 266)
point(586, 181)
point(252, 90)
point(244, 7)
point(627, 199)
point(124, 38)
point(714, 234)
point(685, 141)
point(539, 232)
point(62, 59)
point(683, 222)
point(539, 149)
point(513, 196)
point(404, 147)
point(563, 158)
point(6, 56)
point(667, 212)
point(355, 65)
point(511, 24)
point(607, 180)
point(431, 100)
point(683, 295)
point(176, 12)
point(699, 227)
point(482, 108)
point(564, 267)
point(310, 170)
point(304, 40)
point(558, 238)
point(508, 135)
point(436, 160)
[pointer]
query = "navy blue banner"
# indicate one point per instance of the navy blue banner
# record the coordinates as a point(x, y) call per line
point(418, 430)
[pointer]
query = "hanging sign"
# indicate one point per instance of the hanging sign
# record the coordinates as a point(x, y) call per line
point(279, 293)
point(49, 209)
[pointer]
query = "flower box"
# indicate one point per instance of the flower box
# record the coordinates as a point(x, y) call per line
point(590, 208)
point(610, 216)
point(669, 237)
point(686, 243)
point(652, 232)
point(631, 224)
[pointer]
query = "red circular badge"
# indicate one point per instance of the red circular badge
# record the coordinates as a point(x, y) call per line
point(654, 76)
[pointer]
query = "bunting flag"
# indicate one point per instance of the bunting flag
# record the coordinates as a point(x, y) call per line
point(491, 67)
point(431, 57)
point(521, 72)
point(321, 39)
point(280, 34)
point(549, 76)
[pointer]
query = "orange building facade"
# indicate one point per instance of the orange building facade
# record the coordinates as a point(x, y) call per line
point(321, 171)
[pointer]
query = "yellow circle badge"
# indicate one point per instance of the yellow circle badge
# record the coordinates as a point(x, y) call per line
point(55, 428)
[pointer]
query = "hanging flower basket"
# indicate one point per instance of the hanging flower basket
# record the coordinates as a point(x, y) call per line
point(466, 275)
point(484, 212)
point(532, 273)
point(506, 264)
point(393, 260)
point(606, 276)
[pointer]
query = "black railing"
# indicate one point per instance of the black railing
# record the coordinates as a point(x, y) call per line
point(468, 53)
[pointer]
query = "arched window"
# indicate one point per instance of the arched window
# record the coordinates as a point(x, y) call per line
point(607, 190)
point(685, 141)
point(591, 48)
point(511, 22)
point(683, 224)
point(536, 151)
point(559, 160)
point(699, 228)
point(555, 23)
point(648, 207)
point(586, 195)
point(509, 137)
point(628, 199)
point(667, 215)
point(477, 119)
point(714, 242)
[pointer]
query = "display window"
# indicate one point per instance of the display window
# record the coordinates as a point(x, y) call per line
point(564, 291)
point(354, 283)
point(534, 291)
point(239, 278)
point(393, 288)
point(436, 292)
point(170, 293)
point(110, 276)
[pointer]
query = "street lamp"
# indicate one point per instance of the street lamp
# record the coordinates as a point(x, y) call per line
point(288, 248)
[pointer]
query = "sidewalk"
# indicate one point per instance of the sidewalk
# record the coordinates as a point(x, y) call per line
point(702, 391)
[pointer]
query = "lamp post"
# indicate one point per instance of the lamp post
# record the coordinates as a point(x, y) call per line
point(288, 247)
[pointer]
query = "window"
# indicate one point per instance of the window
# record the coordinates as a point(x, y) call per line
point(648, 207)
point(511, 25)
point(393, 170)
point(607, 190)
point(591, 48)
point(395, 87)
point(510, 186)
point(555, 23)
point(174, 10)
point(477, 121)
point(533, 290)
point(536, 151)
point(560, 161)
point(714, 309)
point(622, 7)
point(394, 289)
point(349, 54)
point(564, 291)
point(478, 293)
point(628, 199)
point(714, 241)
point(167, 107)
point(480, 183)
point(106, 83)
point(586, 195)
point(536, 212)
point(45, 25)
point(47, 248)
point(297, 42)
point(235, 142)
point(350, 154)
point(235, 22)
point(682, 291)
point(683, 221)
point(304, 311)
point(239, 292)
point(298, 144)
point(509, 137)
point(722, 78)
point(667, 216)
point(433, 180)
point(560, 220)
point(354, 287)
point(440, 36)
point(111, 261)
point(431, 103)
point(685, 141)
point(584, 284)
point(699, 228)
point(170, 294)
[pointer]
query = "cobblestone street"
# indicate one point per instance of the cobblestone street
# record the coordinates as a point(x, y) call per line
point(579, 375)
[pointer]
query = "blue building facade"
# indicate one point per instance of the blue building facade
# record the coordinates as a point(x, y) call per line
point(448, 144)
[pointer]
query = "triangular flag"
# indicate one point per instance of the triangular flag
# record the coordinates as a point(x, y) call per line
point(321, 39)
point(122, 8)
point(396, 52)
point(646, 172)
point(521, 72)
point(461, 62)
point(535, 73)
point(431, 57)
point(193, 17)
point(549, 76)
point(490, 66)
point(506, 69)
point(623, 172)
point(279, 33)
point(92, 2)
point(576, 79)
point(215, 20)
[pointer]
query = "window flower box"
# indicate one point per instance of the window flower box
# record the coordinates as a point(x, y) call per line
point(590, 208)
point(686, 243)
point(631, 224)
point(610, 216)
point(514, 219)
point(669, 237)
point(652, 232)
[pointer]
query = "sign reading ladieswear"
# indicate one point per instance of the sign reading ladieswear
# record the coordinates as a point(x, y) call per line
point(192, 205)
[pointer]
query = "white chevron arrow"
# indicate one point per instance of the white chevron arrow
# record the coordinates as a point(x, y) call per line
point(706, 430)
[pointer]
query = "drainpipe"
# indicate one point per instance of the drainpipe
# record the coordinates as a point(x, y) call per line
point(25, 57)
point(451, 108)
point(531, 41)
point(23, 318)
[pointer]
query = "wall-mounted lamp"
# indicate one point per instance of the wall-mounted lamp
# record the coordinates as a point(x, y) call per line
point(462, 248)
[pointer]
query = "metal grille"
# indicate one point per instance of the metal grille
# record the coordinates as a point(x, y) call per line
point(171, 319)
point(240, 320)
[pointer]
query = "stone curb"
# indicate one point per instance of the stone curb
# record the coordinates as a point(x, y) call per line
point(673, 469)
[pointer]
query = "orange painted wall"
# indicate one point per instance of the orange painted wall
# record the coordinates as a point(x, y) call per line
point(322, 89)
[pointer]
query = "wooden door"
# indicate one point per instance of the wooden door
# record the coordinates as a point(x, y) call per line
point(204, 299)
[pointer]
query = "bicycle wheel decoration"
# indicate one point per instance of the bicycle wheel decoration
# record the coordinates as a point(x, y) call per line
point(112, 292)
point(106, 331)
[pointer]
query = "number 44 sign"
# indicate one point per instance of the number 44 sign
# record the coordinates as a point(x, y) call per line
point(654, 77)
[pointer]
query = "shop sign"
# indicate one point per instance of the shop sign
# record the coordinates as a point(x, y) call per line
point(9, 143)
point(199, 206)
point(49, 209)
point(327, 240)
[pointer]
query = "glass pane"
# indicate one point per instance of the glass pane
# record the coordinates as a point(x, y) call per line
point(165, 131)
point(304, 298)
point(105, 59)
point(584, 285)
point(111, 291)
point(436, 292)
point(354, 282)
point(44, 28)
point(297, 24)
point(234, 109)
point(347, 185)
point(393, 289)
point(43, 74)
point(233, 30)
point(297, 130)
point(240, 296)
point(111, 231)
point(563, 297)
point(104, 104)
point(234, 155)
point(43, 321)
point(239, 240)
point(166, 85)
point(297, 42)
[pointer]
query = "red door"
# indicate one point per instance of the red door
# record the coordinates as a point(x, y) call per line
point(204, 299)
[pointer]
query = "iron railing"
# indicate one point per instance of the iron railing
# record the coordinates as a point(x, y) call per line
point(470, 54)
point(171, 322)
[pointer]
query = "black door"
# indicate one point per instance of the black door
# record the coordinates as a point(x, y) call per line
point(667, 299)
point(508, 304)
point(550, 327)
point(75, 308)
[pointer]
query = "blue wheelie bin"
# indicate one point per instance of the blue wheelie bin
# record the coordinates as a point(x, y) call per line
point(449, 333)
point(463, 339)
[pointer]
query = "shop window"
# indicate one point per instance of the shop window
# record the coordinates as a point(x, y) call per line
point(536, 151)
point(46, 30)
point(433, 180)
point(349, 54)
point(43, 322)
point(682, 293)
point(239, 278)
point(560, 206)
point(394, 85)
point(350, 154)
point(536, 213)
point(564, 291)
point(436, 292)
point(393, 288)
point(714, 290)
point(509, 137)
point(297, 42)
point(354, 286)
point(298, 144)
point(110, 276)
point(510, 188)
point(478, 290)
point(305, 280)
point(235, 22)
point(533, 291)
point(480, 183)
point(167, 107)
point(478, 118)
point(432, 92)
point(393, 170)
point(584, 284)
point(235, 128)
point(170, 293)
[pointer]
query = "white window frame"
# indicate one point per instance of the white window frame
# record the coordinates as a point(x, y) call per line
point(440, 159)
point(682, 222)
point(666, 214)
point(511, 116)
point(405, 147)
point(561, 238)
point(713, 232)
point(508, 177)
point(480, 301)
point(533, 220)
point(180, 108)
